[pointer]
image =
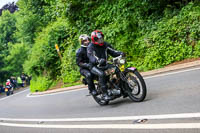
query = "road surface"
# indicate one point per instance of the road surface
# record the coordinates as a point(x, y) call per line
point(172, 105)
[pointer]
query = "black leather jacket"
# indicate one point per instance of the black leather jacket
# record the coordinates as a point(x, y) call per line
point(81, 58)
point(96, 52)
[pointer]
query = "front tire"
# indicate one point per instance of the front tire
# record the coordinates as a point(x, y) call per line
point(135, 86)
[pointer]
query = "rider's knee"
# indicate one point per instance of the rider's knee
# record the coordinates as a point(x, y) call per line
point(88, 76)
point(102, 75)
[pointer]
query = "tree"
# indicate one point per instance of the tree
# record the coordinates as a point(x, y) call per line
point(15, 60)
point(32, 17)
point(7, 28)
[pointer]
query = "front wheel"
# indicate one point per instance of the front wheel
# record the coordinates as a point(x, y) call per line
point(135, 86)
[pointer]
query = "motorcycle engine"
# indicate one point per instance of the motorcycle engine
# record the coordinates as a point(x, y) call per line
point(113, 78)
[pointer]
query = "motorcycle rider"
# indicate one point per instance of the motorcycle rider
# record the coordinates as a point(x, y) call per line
point(83, 62)
point(97, 53)
point(8, 82)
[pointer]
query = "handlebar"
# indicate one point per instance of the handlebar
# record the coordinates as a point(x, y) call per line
point(113, 61)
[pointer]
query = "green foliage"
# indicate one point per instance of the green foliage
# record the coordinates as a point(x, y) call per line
point(171, 39)
point(72, 84)
point(7, 28)
point(32, 17)
point(197, 49)
point(70, 72)
point(40, 84)
point(152, 33)
point(17, 55)
point(26, 27)
point(44, 57)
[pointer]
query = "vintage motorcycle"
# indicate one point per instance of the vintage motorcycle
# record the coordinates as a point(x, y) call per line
point(121, 81)
point(9, 89)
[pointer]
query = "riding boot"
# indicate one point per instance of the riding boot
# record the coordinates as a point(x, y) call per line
point(93, 92)
point(91, 88)
point(106, 97)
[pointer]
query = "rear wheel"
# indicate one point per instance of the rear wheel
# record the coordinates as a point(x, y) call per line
point(135, 86)
point(98, 98)
point(100, 101)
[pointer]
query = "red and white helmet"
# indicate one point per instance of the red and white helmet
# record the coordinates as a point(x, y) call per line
point(97, 37)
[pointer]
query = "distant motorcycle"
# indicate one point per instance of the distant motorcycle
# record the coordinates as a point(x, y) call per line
point(9, 90)
point(121, 81)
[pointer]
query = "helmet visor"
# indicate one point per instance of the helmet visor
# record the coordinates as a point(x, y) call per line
point(100, 40)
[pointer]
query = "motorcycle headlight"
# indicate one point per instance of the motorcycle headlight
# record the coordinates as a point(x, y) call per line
point(122, 61)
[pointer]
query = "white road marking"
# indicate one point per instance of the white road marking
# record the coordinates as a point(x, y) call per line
point(170, 73)
point(51, 94)
point(120, 118)
point(14, 94)
point(111, 126)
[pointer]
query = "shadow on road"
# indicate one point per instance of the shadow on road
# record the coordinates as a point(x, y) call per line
point(124, 101)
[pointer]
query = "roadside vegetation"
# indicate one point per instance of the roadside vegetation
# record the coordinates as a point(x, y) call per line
point(152, 33)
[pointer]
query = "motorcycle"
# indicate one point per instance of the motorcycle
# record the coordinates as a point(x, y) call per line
point(121, 81)
point(9, 89)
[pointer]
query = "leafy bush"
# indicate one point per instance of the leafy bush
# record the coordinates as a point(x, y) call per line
point(44, 56)
point(15, 60)
point(40, 83)
point(172, 39)
point(70, 72)
point(197, 49)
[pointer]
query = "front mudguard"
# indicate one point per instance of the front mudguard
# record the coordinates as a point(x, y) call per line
point(130, 69)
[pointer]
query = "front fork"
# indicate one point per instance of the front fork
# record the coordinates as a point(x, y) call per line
point(124, 78)
point(123, 74)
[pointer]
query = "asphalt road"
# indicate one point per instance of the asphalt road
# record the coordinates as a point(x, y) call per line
point(172, 105)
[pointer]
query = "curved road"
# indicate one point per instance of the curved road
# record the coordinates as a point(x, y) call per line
point(172, 98)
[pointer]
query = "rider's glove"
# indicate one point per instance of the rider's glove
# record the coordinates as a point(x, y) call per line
point(102, 62)
point(89, 66)
point(123, 54)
